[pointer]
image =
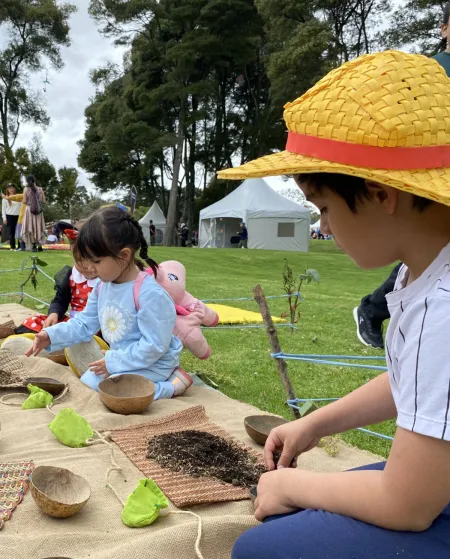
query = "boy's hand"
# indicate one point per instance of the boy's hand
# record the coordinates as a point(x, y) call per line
point(40, 342)
point(99, 367)
point(274, 491)
point(291, 439)
point(51, 320)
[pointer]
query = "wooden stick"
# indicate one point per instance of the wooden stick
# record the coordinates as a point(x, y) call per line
point(275, 344)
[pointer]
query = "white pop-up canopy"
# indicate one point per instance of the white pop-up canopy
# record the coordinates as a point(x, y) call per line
point(156, 215)
point(273, 222)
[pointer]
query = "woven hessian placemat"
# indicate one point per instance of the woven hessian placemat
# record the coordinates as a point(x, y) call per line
point(12, 371)
point(14, 482)
point(6, 327)
point(181, 489)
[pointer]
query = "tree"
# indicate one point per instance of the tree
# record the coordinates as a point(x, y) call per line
point(13, 171)
point(70, 194)
point(35, 30)
point(416, 26)
point(44, 172)
point(195, 88)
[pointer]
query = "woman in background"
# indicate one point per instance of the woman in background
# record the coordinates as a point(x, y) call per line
point(33, 227)
point(10, 214)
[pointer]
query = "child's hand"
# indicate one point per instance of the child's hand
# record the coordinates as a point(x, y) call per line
point(99, 367)
point(291, 439)
point(51, 320)
point(274, 490)
point(40, 342)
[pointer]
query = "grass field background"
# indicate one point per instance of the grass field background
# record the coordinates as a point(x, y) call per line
point(240, 363)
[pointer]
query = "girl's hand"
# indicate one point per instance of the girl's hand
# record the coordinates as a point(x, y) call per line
point(274, 493)
point(291, 440)
point(40, 342)
point(99, 367)
point(51, 320)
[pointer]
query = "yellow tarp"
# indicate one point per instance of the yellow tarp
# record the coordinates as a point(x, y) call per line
point(232, 315)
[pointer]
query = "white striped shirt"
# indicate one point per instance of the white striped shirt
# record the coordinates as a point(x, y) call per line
point(418, 349)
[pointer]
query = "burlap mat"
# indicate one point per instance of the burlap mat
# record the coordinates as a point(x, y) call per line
point(6, 327)
point(182, 490)
point(14, 482)
point(97, 531)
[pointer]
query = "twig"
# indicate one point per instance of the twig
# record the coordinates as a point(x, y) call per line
point(275, 344)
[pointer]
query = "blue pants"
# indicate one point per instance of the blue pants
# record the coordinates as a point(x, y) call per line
point(312, 534)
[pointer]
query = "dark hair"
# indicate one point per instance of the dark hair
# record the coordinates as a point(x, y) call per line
point(107, 232)
point(351, 189)
point(31, 181)
point(445, 18)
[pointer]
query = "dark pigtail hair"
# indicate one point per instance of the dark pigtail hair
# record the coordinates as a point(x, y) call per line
point(143, 251)
point(106, 232)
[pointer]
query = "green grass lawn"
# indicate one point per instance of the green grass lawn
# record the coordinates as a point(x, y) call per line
point(240, 362)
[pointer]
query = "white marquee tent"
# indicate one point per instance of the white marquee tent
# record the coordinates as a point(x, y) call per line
point(159, 221)
point(273, 222)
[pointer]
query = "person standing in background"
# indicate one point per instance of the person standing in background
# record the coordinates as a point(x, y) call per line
point(10, 215)
point(243, 235)
point(184, 234)
point(33, 227)
point(373, 309)
point(152, 234)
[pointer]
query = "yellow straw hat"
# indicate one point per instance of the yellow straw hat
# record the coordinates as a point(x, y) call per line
point(383, 117)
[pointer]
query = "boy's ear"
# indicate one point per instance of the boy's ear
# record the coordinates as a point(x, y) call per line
point(384, 195)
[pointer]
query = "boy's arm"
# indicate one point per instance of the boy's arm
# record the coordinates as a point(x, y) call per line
point(408, 495)
point(415, 485)
point(61, 300)
point(369, 404)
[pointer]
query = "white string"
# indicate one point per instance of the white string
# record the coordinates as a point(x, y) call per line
point(13, 394)
point(6, 397)
point(102, 439)
point(199, 528)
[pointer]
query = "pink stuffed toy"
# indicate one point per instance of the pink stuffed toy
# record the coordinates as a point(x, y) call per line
point(191, 313)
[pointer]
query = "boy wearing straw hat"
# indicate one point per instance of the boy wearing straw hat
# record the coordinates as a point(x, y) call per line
point(369, 145)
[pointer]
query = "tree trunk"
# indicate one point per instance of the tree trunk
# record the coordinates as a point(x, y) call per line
point(171, 222)
point(162, 190)
point(9, 155)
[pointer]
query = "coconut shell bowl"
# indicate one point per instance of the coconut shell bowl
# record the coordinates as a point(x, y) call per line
point(58, 492)
point(258, 427)
point(127, 394)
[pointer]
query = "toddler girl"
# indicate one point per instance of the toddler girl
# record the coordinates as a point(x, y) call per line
point(138, 328)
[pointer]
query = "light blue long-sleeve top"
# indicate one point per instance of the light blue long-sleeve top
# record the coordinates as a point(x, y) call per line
point(141, 342)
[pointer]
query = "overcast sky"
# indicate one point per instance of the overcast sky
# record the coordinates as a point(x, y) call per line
point(70, 90)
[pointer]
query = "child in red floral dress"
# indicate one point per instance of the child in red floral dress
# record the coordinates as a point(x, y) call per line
point(72, 290)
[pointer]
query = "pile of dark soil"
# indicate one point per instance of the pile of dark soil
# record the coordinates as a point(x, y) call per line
point(201, 454)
